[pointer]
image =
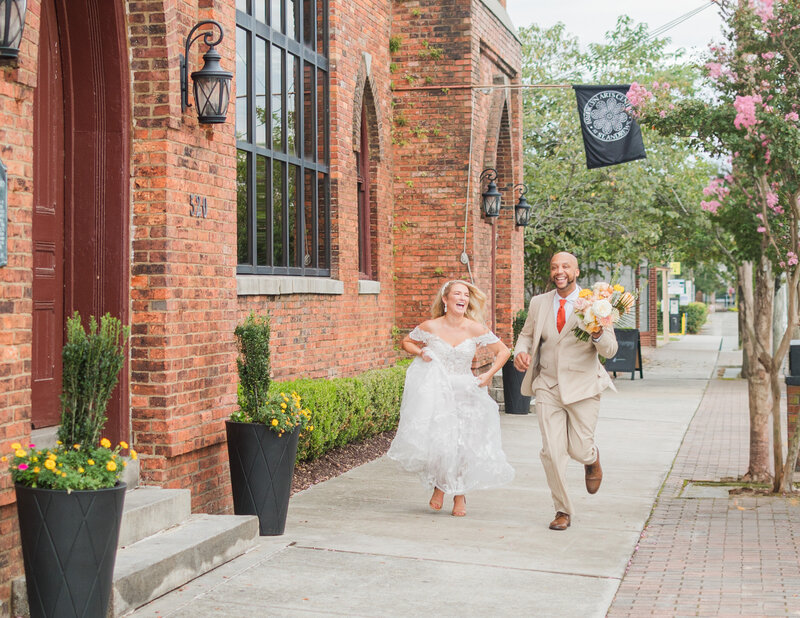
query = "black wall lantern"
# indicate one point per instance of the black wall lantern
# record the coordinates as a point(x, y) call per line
point(12, 22)
point(491, 197)
point(522, 210)
point(212, 85)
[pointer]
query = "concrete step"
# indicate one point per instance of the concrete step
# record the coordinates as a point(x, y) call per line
point(165, 561)
point(149, 510)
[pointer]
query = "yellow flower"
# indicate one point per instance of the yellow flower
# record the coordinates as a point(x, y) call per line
point(3, 458)
point(34, 459)
point(36, 470)
point(81, 470)
point(20, 453)
point(274, 422)
point(63, 474)
point(77, 447)
point(50, 464)
point(52, 456)
point(111, 466)
point(585, 293)
point(283, 406)
point(311, 427)
point(16, 446)
point(90, 462)
point(105, 443)
point(59, 442)
point(134, 454)
point(619, 288)
point(124, 464)
point(123, 444)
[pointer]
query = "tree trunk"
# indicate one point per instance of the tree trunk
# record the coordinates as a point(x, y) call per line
point(751, 322)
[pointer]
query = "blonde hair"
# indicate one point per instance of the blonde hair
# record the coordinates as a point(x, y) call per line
point(476, 309)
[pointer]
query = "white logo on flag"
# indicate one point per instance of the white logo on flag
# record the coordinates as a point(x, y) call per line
point(605, 117)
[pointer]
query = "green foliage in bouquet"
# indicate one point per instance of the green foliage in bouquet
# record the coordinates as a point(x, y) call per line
point(91, 365)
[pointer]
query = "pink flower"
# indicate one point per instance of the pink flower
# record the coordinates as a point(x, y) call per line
point(714, 69)
point(761, 229)
point(711, 206)
point(22, 466)
point(792, 258)
point(662, 114)
point(791, 117)
point(772, 199)
point(764, 9)
point(768, 55)
point(746, 108)
point(638, 94)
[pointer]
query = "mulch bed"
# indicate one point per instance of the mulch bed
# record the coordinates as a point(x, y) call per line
point(340, 460)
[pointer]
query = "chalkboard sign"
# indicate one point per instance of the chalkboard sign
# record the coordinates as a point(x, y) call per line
point(629, 353)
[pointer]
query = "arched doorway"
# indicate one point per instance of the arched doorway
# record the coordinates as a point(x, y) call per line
point(81, 190)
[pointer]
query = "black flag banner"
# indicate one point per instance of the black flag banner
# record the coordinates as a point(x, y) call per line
point(610, 134)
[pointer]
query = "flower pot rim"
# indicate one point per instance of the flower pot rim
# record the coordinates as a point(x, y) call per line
point(117, 486)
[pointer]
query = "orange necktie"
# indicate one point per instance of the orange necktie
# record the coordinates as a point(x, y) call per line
point(561, 316)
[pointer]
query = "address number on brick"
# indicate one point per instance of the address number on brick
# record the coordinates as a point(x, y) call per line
point(198, 205)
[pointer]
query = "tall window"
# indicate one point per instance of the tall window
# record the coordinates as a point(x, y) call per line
point(282, 129)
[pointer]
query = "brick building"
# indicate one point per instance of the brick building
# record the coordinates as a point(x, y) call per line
point(342, 191)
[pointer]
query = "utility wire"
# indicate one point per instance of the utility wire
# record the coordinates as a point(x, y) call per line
point(668, 26)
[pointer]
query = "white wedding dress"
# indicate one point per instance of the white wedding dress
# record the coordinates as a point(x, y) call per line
point(449, 431)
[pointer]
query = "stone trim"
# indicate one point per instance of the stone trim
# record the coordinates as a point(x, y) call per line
point(365, 286)
point(499, 11)
point(364, 82)
point(276, 285)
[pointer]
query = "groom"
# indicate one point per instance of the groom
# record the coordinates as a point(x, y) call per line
point(565, 375)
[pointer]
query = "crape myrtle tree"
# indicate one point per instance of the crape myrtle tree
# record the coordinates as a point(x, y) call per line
point(751, 121)
point(643, 210)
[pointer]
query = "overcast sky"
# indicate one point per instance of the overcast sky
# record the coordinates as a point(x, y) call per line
point(590, 19)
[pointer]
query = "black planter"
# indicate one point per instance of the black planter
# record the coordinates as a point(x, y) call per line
point(262, 465)
point(515, 401)
point(69, 544)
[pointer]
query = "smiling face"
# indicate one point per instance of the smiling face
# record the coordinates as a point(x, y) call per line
point(457, 299)
point(563, 272)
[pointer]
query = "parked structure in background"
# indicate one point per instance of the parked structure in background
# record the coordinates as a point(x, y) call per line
point(342, 190)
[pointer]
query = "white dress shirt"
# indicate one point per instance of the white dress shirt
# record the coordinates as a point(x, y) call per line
point(568, 306)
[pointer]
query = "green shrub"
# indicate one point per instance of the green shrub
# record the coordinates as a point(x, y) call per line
point(696, 314)
point(347, 410)
point(252, 337)
point(518, 323)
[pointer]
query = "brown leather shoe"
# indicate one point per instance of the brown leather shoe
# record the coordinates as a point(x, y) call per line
point(594, 474)
point(561, 522)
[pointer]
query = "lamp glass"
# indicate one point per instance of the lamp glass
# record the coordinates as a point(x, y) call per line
point(212, 90)
point(12, 22)
point(522, 212)
point(491, 201)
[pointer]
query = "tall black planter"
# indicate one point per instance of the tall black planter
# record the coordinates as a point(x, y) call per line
point(69, 545)
point(262, 465)
point(515, 401)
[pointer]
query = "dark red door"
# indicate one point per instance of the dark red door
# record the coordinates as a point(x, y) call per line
point(48, 225)
point(364, 214)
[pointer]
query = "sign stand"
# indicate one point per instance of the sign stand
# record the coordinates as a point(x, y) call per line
point(629, 353)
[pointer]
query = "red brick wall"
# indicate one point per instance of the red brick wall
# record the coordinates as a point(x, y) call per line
point(17, 85)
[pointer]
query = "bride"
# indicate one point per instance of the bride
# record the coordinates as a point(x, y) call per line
point(449, 431)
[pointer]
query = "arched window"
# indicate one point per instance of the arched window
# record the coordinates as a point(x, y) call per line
point(282, 136)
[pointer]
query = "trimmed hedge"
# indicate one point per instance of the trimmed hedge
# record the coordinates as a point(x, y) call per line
point(696, 314)
point(347, 410)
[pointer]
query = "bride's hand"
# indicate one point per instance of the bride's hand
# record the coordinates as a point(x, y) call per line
point(484, 379)
point(426, 355)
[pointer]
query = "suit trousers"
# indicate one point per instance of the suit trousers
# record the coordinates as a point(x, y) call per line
point(567, 431)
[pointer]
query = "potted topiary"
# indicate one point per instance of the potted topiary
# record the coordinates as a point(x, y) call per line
point(262, 433)
point(515, 401)
point(69, 497)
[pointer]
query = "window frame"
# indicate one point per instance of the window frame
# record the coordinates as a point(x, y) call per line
point(294, 51)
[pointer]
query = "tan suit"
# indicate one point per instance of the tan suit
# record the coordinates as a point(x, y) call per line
point(567, 378)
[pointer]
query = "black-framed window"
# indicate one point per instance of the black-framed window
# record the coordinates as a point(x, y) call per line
point(282, 137)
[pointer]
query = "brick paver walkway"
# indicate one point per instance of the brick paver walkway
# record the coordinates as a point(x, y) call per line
point(715, 556)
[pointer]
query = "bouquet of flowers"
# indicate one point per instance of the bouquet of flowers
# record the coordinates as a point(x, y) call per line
point(601, 306)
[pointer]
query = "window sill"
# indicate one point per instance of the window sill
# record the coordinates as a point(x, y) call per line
point(365, 286)
point(278, 285)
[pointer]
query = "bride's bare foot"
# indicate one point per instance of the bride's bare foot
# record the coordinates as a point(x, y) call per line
point(437, 499)
point(459, 506)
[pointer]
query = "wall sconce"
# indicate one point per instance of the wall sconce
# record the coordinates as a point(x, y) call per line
point(491, 197)
point(12, 22)
point(522, 211)
point(212, 85)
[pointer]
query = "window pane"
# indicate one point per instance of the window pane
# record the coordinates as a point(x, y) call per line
point(291, 19)
point(309, 18)
point(309, 124)
point(241, 5)
point(275, 15)
point(294, 229)
point(242, 219)
point(276, 81)
point(322, 43)
point(322, 97)
point(310, 214)
point(242, 85)
point(292, 67)
point(261, 10)
point(261, 92)
point(262, 208)
point(322, 219)
point(277, 214)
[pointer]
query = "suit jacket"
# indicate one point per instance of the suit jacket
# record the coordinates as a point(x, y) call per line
point(572, 364)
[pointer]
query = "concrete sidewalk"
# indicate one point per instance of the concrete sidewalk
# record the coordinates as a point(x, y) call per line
point(366, 544)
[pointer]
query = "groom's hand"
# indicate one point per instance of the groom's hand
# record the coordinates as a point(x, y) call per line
point(522, 361)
